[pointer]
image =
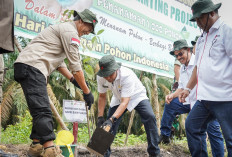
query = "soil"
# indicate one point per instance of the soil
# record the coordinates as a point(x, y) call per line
point(135, 151)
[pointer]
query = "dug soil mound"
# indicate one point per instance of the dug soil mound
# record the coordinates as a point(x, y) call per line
point(135, 151)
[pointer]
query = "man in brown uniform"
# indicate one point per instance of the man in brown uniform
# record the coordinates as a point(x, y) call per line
point(37, 61)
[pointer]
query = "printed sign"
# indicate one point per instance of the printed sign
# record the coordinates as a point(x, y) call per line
point(74, 111)
point(139, 33)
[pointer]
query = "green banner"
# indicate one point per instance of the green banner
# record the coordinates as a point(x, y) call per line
point(139, 33)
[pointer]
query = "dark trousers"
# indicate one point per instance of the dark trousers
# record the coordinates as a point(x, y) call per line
point(199, 118)
point(34, 87)
point(213, 127)
point(148, 119)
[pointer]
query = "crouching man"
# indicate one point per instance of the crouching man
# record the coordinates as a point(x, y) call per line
point(128, 94)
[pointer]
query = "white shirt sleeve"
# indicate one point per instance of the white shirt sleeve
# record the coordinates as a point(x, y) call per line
point(228, 40)
point(100, 85)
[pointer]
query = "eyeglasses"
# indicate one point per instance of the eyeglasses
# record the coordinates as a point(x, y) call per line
point(179, 54)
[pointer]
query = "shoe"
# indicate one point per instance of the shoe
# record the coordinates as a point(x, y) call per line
point(164, 139)
point(52, 152)
point(35, 150)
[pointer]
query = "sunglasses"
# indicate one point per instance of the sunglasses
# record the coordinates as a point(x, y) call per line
point(179, 54)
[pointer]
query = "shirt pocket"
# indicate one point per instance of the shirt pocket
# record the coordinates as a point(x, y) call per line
point(216, 48)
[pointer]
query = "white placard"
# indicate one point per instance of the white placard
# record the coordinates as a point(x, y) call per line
point(74, 111)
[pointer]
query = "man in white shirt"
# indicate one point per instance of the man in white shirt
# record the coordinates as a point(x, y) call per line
point(128, 94)
point(174, 107)
point(212, 77)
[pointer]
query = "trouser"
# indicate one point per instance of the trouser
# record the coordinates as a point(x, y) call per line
point(145, 111)
point(34, 87)
point(213, 128)
point(202, 114)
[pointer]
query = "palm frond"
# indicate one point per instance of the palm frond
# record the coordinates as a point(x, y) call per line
point(148, 85)
point(7, 103)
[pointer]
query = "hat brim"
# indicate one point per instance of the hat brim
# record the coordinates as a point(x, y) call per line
point(177, 49)
point(171, 53)
point(207, 10)
point(103, 73)
point(84, 19)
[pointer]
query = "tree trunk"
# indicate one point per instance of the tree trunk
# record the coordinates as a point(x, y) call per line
point(129, 127)
point(155, 102)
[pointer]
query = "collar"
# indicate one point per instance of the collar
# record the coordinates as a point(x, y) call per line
point(191, 62)
point(118, 73)
point(74, 25)
point(216, 25)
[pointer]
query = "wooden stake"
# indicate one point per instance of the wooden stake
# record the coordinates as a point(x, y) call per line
point(129, 127)
point(87, 113)
point(57, 116)
point(156, 102)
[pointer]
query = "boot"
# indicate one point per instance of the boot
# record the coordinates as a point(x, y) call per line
point(35, 150)
point(164, 139)
point(52, 152)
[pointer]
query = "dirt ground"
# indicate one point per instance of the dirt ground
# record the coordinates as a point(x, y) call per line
point(136, 151)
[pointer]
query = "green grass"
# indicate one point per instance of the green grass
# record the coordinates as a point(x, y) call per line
point(18, 133)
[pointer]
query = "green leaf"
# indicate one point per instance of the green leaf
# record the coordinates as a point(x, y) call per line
point(89, 71)
point(87, 59)
point(72, 12)
point(94, 39)
point(69, 15)
point(65, 12)
point(100, 31)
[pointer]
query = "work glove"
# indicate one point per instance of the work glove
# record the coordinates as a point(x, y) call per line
point(100, 121)
point(89, 99)
point(74, 82)
point(107, 125)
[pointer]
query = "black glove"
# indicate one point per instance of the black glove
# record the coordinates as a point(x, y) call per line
point(107, 123)
point(89, 99)
point(76, 84)
point(100, 121)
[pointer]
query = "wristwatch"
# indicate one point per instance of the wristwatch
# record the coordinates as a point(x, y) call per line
point(114, 119)
point(188, 89)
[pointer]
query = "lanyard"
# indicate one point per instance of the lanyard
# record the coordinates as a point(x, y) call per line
point(198, 68)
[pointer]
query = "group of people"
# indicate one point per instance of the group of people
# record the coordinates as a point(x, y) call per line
point(204, 85)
